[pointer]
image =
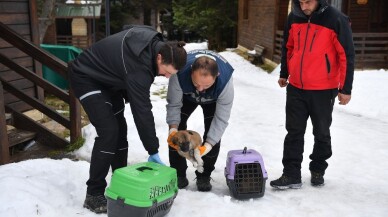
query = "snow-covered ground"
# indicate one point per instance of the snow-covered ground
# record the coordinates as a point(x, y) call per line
point(356, 180)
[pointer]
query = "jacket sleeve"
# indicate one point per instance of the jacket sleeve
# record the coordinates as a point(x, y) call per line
point(345, 49)
point(139, 100)
point(286, 49)
point(174, 101)
point(222, 114)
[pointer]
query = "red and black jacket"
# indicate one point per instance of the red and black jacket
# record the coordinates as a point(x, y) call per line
point(318, 51)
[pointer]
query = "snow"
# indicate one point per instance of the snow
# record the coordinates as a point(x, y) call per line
point(356, 180)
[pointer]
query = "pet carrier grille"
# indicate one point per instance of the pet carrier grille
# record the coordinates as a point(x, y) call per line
point(163, 207)
point(248, 178)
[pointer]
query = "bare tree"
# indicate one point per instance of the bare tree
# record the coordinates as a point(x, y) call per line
point(46, 13)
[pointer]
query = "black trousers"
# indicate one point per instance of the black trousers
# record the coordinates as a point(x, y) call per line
point(106, 112)
point(178, 162)
point(300, 105)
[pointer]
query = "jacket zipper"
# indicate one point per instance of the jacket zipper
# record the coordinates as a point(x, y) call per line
point(299, 39)
point(304, 48)
point(312, 41)
point(327, 65)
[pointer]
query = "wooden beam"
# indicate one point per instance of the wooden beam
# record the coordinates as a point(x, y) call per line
point(34, 51)
point(36, 40)
point(37, 104)
point(43, 135)
point(4, 144)
point(75, 117)
point(34, 78)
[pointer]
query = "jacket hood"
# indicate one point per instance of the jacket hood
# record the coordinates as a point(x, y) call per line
point(297, 11)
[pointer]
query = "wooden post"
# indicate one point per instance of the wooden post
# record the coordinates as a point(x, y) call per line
point(75, 117)
point(4, 143)
point(35, 38)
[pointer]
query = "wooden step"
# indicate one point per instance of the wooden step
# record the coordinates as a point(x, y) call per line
point(8, 118)
point(17, 136)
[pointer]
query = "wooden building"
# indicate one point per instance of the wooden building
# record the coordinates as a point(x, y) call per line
point(21, 84)
point(75, 24)
point(20, 16)
point(261, 22)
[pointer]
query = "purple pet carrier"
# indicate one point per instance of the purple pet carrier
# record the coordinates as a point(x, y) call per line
point(245, 174)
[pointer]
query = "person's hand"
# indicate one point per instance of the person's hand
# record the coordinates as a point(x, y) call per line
point(156, 159)
point(171, 134)
point(344, 98)
point(282, 82)
point(204, 149)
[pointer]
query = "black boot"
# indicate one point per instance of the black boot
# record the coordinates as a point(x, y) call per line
point(317, 179)
point(203, 184)
point(96, 204)
point(182, 182)
point(285, 182)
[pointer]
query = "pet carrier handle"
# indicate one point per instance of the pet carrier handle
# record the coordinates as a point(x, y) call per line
point(142, 169)
point(245, 150)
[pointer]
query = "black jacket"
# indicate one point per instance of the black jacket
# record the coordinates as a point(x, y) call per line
point(126, 62)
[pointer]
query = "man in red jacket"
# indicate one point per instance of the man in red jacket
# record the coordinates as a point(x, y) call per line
point(317, 65)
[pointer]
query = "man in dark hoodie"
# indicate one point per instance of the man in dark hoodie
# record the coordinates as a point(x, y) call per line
point(317, 65)
point(121, 68)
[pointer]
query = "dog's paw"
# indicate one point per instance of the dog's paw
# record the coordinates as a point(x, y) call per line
point(195, 164)
point(200, 169)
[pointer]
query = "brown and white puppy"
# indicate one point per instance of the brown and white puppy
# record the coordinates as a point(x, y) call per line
point(188, 142)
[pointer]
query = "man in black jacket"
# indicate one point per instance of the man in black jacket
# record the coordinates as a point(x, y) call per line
point(121, 67)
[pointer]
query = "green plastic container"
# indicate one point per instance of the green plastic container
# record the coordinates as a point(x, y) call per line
point(144, 189)
point(65, 53)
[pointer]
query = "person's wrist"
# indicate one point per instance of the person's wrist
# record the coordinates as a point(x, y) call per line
point(172, 130)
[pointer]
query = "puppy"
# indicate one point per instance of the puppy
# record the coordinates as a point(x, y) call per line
point(188, 142)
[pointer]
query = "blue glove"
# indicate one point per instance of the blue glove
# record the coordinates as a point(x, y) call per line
point(156, 159)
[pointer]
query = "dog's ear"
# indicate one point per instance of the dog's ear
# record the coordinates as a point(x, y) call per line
point(175, 140)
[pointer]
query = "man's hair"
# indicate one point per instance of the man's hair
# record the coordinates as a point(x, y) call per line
point(173, 53)
point(207, 64)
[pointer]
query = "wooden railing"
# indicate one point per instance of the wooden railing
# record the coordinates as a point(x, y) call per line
point(371, 49)
point(82, 42)
point(57, 65)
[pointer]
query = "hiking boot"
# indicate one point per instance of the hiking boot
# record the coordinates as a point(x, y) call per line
point(96, 204)
point(285, 182)
point(317, 179)
point(182, 182)
point(203, 184)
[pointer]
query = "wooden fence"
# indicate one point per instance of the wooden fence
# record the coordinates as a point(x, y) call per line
point(82, 42)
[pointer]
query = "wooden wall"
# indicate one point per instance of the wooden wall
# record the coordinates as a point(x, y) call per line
point(259, 27)
point(371, 17)
point(19, 15)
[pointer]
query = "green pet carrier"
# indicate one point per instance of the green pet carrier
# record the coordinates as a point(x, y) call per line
point(142, 190)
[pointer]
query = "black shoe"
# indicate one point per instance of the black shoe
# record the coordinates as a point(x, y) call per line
point(182, 182)
point(285, 182)
point(203, 184)
point(95, 204)
point(317, 179)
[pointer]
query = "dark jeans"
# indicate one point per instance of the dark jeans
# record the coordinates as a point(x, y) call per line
point(302, 104)
point(106, 112)
point(178, 162)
